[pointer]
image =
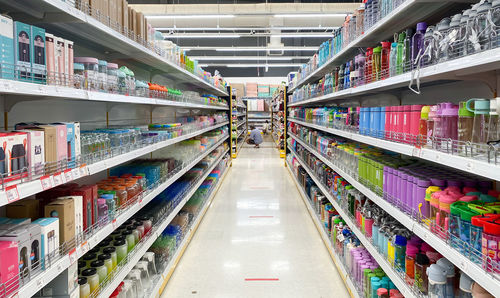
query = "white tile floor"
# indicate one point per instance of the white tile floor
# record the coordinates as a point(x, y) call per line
point(257, 227)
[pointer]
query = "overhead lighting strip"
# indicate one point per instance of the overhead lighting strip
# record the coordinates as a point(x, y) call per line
point(243, 65)
point(245, 58)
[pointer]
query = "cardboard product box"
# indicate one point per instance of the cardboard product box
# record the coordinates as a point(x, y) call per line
point(23, 209)
point(239, 89)
point(87, 201)
point(60, 60)
point(119, 13)
point(50, 57)
point(78, 203)
point(61, 142)
point(38, 57)
point(21, 236)
point(22, 48)
point(64, 209)
point(35, 151)
point(70, 142)
point(64, 284)
point(133, 21)
point(68, 63)
point(49, 237)
point(35, 245)
point(9, 269)
point(125, 13)
point(104, 11)
point(14, 164)
point(6, 47)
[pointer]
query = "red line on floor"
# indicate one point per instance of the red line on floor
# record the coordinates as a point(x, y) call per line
point(262, 279)
point(261, 216)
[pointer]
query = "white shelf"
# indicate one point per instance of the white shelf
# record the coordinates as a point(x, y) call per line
point(143, 247)
point(453, 70)
point(165, 275)
point(36, 186)
point(240, 124)
point(346, 276)
point(405, 15)
point(240, 134)
point(241, 106)
point(31, 91)
point(470, 165)
point(477, 273)
point(58, 16)
point(43, 278)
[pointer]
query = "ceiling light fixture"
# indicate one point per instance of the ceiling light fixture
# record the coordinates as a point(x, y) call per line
point(243, 58)
point(256, 49)
point(240, 65)
point(242, 28)
point(194, 16)
point(310, 15)
point(204, 35)
point(303, 35)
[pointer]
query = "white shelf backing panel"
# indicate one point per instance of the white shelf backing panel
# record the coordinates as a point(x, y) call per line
point(470, 165)
point(139, 251)
point(61, 18)
point(31, 91)
point(326, 240)
point(155, 291)
point(406, 15)
point(452, 70)
point(477, 273)
point(43, 278)
point(400, 283)
point(23, 190)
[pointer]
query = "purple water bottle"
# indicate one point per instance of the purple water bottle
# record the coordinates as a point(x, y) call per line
point(418, 42)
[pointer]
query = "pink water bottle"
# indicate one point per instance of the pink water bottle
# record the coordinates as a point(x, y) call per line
point(405, 128)
point(415, 112)
point(388, 122)
point(449, 125)
point(398, 124)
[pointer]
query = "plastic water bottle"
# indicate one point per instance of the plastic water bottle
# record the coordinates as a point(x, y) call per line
point(418, 41)
point(393, 59)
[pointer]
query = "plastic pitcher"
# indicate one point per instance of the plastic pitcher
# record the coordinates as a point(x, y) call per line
point(481, 112)
point(494, 120)
point(465, 127)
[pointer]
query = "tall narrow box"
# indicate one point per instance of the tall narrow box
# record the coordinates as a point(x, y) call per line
point(119, 13)
point(9, 268)
point(68, 62)
point(22, 46)
point(60, 60)
point(38, 55)
point(35, 151)
point(49, 231)
point(125, 13)
point(85, 192)
point(6, 48)
point(64, 210)
point(78, 142)
point(78, 216)
point(50, 54)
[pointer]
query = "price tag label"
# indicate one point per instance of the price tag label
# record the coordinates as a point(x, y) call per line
point(85, 247)
point(72, 256)
point(46, 182)
point(75, 173)
point(84, 170)
point(58, 179)
point(7, 86)
point(140, 202)
point(12, 193)
point(67, 175)
point(114, 224)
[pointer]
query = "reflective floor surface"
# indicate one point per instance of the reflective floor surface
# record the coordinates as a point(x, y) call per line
point(257, 239)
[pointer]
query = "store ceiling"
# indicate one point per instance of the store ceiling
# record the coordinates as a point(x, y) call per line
point(247, 38)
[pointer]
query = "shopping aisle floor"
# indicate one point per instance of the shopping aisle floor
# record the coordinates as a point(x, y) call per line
point(257, 228)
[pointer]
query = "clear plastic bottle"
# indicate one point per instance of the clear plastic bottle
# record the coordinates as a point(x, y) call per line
point(417, 42)
point(393, 59)
point(483, 25)
point(494, 121)
point(84, 287)
point(442, 40)
point(465, 126)
point(437, 281)
point(401, 53)
point(495, 17)
point(481, 119)
point(453, 37)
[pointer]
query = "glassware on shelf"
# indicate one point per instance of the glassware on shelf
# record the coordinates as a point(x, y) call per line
point(91, 69)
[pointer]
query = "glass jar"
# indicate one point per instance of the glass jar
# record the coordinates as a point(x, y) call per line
point(84, 287)
point(135, 232)
point(130, 238)
point(122, 82)
point(112, 76)
point(108, 262)
point(92, 278)
point(121, 194)
point(141, 89)
point(112, 252)
point(140, 228)
point(91, 68)
point(148, 224)
point(102, 271)
point(78, 76)
point(82, 265)
point(102, 76)
point(102, 212)
point(89, 258)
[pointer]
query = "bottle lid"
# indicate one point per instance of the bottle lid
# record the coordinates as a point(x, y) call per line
point(424, 113)
point(112, 66)
point(103, 63)
point(421, 26)
point(395, 44)
point(82, 263)
point(422, 259)
point(89, 272)
point(104, 256)
point(382, 292)
point(462, 110)
point(444, 24)
point(484, 7)
point(109, 250)
point(449, 109)
point(494, 105)
point(97, 263)
point(481, 107)
point(82, 280)
point(430, 31)
point(78, 66)
point(448, 266)
point(401, 37)
point(436, 273)
point(496, 3)
point(465, 283)
point(119, 242)
point(491, 228)
point(86, 60)
point(377, 49)
point(89, 256)
point(400, 240)
point(386, 44)
point(487, 198)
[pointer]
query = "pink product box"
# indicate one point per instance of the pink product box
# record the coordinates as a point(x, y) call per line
point(9, 266)
point(35, 151)
point(61, 141)
point(13, 155)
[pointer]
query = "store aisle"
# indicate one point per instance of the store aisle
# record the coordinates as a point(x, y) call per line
point(257, 228)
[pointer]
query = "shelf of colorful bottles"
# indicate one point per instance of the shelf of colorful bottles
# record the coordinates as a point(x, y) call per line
point(455, 69)
point(33, 90)
point(473, 270)
point(388, 269)
point(163, 278)
point(468, 164)
point(404, 16)
point(97, 34)
point(42, 278)
point(145, 244)
point(22, 190)
point(326, 240)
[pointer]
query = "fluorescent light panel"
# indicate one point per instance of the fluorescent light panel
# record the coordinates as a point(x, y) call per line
point(310, 15)
point(203, 35)
point(241, 28)
point(240, 65)
point(238, 49)
point(243, 58)
point(228, 35)
point(195, 16)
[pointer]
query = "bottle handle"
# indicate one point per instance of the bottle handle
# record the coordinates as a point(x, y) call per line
point(467, 104)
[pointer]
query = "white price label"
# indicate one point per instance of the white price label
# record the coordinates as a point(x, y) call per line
point(58, 179)
point(114, 224)
point(7, 85)
point(12, 193)
point(46, 182)
point(72, 256)
point(67, 175)
point(75, 173)
point(85, 247)
point(84, 171)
